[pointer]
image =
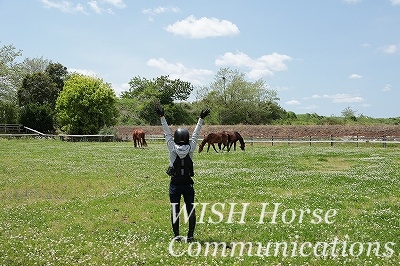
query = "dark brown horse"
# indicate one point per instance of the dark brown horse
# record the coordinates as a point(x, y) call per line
point(213, 138)
point(234, 137)
point(138, 137)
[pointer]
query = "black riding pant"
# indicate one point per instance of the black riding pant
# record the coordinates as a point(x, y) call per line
point(175, 193)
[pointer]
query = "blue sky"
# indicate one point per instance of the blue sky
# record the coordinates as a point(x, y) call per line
point(320, 55)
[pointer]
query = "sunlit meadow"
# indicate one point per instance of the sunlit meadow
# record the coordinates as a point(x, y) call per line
point(89, 203)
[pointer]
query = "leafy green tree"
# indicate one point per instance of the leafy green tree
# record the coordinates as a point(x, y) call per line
point(42, 87)
point(85, 105)
point(9, 73)
point(57, 72)
point(145, 93)
point(8, 113)
point(127, 112)
point(33, 65)
point(235, 100)
point(38, 117)
point(349, 113)
point(37, 88)
point(38, 94)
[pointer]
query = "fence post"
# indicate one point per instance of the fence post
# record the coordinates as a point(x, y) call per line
point(310, 140)
point(272, 141)
point(384, 142)
point(288, 141)
point(331, 140)
point(357, 141)
point(251, 141)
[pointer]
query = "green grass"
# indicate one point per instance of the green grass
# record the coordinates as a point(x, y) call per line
point(86, 203)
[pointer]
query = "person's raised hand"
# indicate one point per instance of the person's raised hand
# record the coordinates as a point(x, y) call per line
point(204, 113)
point(160, 110)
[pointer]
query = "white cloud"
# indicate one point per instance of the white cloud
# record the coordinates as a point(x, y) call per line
point(159, 10)
point(355, 76)
point(351, 1)
point(202, 28)
point(179, 71)
point(64, 6)
point(118, 88)
point(310, 107)
point(260, 67)
point(344, 98)
point(395, 2)
point(117, 3)
point(96, 6)
point(387, 87)
point(389, 49)
point(316, 96)
point(340, 98)
point(85, 72)
point(365, 45)
point(292, 102)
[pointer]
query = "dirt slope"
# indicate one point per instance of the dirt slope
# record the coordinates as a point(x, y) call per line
point(267, 131)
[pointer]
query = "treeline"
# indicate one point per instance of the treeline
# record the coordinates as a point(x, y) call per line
point(43, 95)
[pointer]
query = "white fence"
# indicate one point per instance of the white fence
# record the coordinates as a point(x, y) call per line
point(384, 141)
point(273, 140)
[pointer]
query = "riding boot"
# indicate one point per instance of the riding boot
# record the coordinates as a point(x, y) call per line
point(175, 227)
point(192, 225)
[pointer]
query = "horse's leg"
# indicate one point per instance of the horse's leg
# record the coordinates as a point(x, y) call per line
point(229, 143)
point(144, 142)
point(214, 147)
point(208, 147)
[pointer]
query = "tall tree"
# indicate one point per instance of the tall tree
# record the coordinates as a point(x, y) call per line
point(36, 98)
point(146, 93)
point(34, 65)
point(38, 94)
point(9, 73)
point(235, 100)
point(37, 88)
point(85, 105)
point(57, 72)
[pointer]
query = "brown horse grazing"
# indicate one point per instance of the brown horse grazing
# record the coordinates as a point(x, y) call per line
point(138, 137)
point(213, 138)
point(234, 137)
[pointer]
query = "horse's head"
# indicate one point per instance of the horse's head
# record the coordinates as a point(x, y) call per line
point(203, 142)
point(240, 138)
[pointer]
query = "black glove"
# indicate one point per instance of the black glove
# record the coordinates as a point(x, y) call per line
point(160, 111)
point(204, 113)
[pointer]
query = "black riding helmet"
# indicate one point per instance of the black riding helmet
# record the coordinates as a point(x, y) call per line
point(181, 136)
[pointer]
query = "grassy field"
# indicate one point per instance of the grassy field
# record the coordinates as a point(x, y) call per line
point(83, 203)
